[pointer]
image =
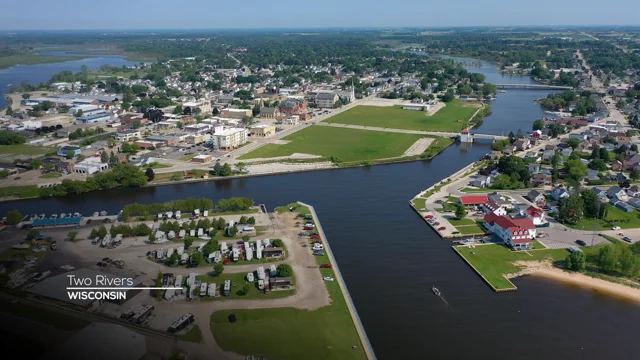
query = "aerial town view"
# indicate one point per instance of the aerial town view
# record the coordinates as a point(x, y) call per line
point(318, 183)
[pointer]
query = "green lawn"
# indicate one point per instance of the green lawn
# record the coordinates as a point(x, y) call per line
point(33, 59)
point(325, 333)
point(187, 157)
point(8, 153)
point(193, 335)
point(419, 203)
point(614, 217)
point(344, 144)
point(451, 118)
point(25, 191)
point(157, 165)
point(464, 221)
point(42, 314)
point(492, 261)
point(237, 283)
point(475, 190)
point(300, 209)
point(470, 229)
point(51, 175)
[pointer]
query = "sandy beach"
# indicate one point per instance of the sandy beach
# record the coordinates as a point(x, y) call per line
point(546, 270)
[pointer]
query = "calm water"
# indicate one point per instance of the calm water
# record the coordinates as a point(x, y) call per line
point(35, 74)
point(390, 259)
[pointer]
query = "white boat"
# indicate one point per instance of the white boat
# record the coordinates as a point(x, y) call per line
point(42, 276)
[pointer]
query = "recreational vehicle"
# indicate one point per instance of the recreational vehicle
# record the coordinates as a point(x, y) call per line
point(203, 289)
point(182, 323)
point(227, 287)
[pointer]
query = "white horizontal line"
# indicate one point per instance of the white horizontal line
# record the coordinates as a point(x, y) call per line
point(124, 288)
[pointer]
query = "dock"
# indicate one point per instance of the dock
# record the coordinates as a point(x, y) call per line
point(368, 349)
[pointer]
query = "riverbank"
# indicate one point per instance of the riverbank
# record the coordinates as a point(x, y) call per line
point(8, 62)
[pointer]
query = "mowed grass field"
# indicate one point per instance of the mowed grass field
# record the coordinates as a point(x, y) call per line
point(345, 144)
point(446, 119)
point(10, 152)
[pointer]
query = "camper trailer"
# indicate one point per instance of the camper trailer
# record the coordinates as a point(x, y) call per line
point(196, 212)
point(171, 235)
point(261, 273)
point(205, 213)
point(266, 242)
point(248, 251)
point(250, 277)
point(182, 233)
point(203, 289)
point(227, 288)
point(200, 232)
point(182, 323)
point(184, 258)
point(223, 247)
point(178, 282)
point(169, 214)
point(272, 270)
point(259, 253)
point(180, 250)
point(178, 214)
point(211, 290)
point(235, 254)
point(192, 233)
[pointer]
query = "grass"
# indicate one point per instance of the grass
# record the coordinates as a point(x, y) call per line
point(611, 239)
point(8, 153)
point(33, 59)
point(193, 335)
point(157, 165)
point(614, 217)
point(325, 333)
point(476, 190)
point(42, 315)
point(493, 261)
point(237, 283)
point(51, 175)
point(457, 222)
point(300, 209)
point(344, 144)
point(167, 176)
point(187, 157)
point(451, 118)
point(25, 191)
point(470, 230)
point(419, 203)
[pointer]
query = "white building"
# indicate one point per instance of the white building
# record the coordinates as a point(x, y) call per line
point(494, 208)
point(198, 128)
point(293, 120)
point(32, 124)
point(90, 165)
point(516, 233)
point(128, 135)
point(204, 106)
point(230, 138)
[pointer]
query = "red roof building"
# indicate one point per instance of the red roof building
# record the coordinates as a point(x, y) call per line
point(535, 214)
point(473, 200)
point(516, 233)
point(580, 122)
point(493, 208)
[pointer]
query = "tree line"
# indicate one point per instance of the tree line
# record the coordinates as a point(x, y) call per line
point(187, 205)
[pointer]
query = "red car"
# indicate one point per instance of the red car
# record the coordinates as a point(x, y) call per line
point(442, 228)
point(308, 228)
point(326, 266)
point(315, 236)
point(429, 217)
point(226, 261)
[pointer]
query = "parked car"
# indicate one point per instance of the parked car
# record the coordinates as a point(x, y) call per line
point(326, 266)
point(615, 228)
point(315, 236)
point(627, 239)
point(429, 217)
point(442, 228)
point(581, 242)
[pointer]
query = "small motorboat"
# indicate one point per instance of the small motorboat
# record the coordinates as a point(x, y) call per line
point(435, 290)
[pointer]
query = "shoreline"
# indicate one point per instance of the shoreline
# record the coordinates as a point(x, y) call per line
point(586, 282)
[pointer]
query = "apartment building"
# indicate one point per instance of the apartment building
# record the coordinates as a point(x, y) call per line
point(230, 138)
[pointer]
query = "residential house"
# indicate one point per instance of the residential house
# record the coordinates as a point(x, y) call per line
point(493, 208)
point(535, 196)
point(617, 192)
point(509, 150)
point(634, 191)
point(499, 199)
point(635, 203)
point(128, 135)
point(534, 168)
point(481, 181)
point(515, 233)
point(616, 165)
point(622, 178)
point(547, 154)
point(601, 194)
point(541, 179)
point(623, 140)
point(566, 152)
point(559, 193)
point(592, 175)
point(536, 215)
point(622, 206)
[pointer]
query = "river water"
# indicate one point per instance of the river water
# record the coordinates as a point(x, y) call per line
point(35, 74)
point(390, 259)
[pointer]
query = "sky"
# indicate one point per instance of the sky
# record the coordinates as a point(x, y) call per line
point(216, 14)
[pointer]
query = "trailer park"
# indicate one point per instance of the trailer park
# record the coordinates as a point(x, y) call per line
point(208, 263)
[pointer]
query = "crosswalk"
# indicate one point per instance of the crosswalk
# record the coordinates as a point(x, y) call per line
point(555, 245)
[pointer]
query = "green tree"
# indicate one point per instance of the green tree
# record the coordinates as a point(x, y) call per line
point(575, 169)
point(217, 168)
point(218, 269)
point(598, 164)
point(14, 217)
point(604, 154)
point(150, 174)
point(102, 231)
point(607, 259)
point(573, 142)
point(32, 234)
point(635, 174)
point(576, 261)
point(243, 220)
point(461, 211)
point(232, 231)
point(177, 110)
point(571, 209)
point(277, 243)
point(26, 96)
point(187, 243)
point(251, 220)
point(225, 170)
point(70, 154)
point(104, 158)
point(8, 111)
point(197, 258)
point(629, 262)
point(538, 125)
point(173, 259)
point(284, 270)
point(158, 292)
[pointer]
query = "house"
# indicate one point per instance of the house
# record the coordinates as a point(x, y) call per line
point(559, 193)
point(481, 181)
point(601, 194)
point(592, 175)
point(623, 206)
point(617, 192)
point(536, 215)
point(273, 252)
point(535, 196)
point(616, 165)
point(492, 208)
point(547, 154)
point(499, 199)
point(90, 165)
point(621, 178)
point(509, 150)
point(634, 191)
point(128, 135)
point(541, 179)
point(515, 233)
point(63, 151)
point(534, 168)
point(263, 130)
point(566, 152)
point(522, 144)
point(473, 201)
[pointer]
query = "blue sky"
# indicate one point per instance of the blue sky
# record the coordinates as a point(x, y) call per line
point(211, 14)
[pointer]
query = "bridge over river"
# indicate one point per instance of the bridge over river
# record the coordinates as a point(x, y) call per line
point(533, 86)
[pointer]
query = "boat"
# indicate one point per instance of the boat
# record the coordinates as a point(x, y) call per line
point(435, 290)
point(502, 91)
point(41, 276)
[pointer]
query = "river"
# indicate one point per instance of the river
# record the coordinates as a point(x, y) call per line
point(390, 259)
point(35, 74)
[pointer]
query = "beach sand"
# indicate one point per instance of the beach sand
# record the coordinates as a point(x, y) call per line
point(546, 270)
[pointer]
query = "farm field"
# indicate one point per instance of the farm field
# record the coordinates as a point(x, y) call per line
point(451, 118)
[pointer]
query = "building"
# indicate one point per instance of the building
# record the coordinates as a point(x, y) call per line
point(493, 208)
point(481, 181)
point(236, 113)
point(90, 166)
point(273, 252)
point(536, 215)
point(197, 138)
point(559, 193)
point(465, 136)
point(326, 100)
point(128, 135)
point(416, 107)
point(65, 150)
point(230, 138)
point(202, 158)
point(86, 119)
point(293, 120)
point(617, 192)
point(515, 233)
point(198, 128)
point(263, 130)
point(202, 107)
point(292, 106)
point(522, 144)
point(473, 200)
point(535, 196)
point(269, 113)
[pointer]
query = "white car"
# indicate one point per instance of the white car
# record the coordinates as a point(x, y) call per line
point(615, 228)
point(328, 278)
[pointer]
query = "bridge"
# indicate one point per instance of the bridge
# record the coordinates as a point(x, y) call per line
point(533, 86)
point(466, 136)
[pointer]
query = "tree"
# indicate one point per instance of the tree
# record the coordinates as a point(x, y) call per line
point(4, 174)
point(150, 174)
point(158, 292)
point(255, 111)
point(251, 220)
point(635, 174)
point(461, 211)
point(187, 243)
point(216, 168)
point(79, 113)
point(14, 217)
point(243, 220)
point(35, 164)
point(197, 258)
point(240, 166)
point(177, 110)
point(592, 204)
point(8, 111)
point(573, 142)
point(70, 154)
point(555, 160)
point(225, 170)
point(102, 231)
point(604, 154)
point(595, 153)
point(104, 158)
point(284, 270)
point(277, 243)
point(597, 164)
point(629, 262)
point(571, 209)
point(538, 125)
point(218, 269)
point(607, 259)
point(113, 159)
point(575, 169)
point(173, 259)
point(232, 231)
point(26, 96)
point(576, 261)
